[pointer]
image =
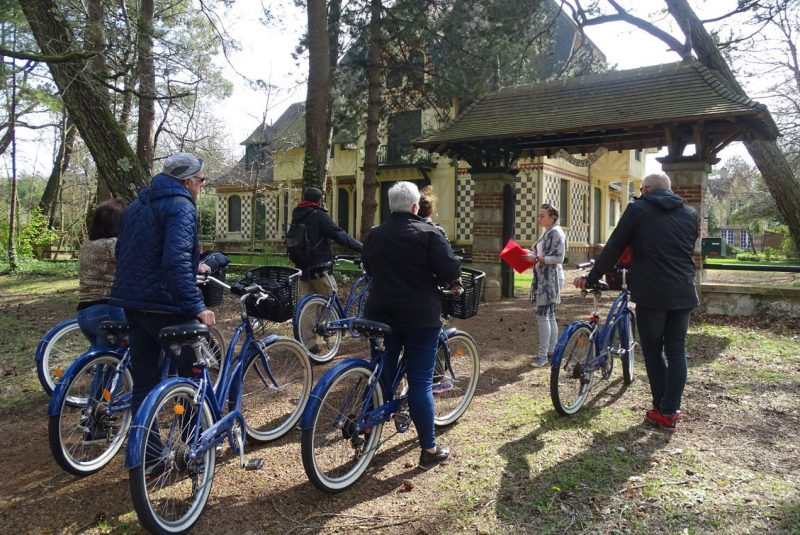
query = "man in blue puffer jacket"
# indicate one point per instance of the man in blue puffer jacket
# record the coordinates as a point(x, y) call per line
point(158, 255)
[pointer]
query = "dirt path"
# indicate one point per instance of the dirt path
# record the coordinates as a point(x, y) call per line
point(509, 446)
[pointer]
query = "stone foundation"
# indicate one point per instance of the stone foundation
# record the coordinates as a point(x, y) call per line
point(746, 300)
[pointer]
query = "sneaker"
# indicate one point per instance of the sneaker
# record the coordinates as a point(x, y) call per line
point(430, 460)
point(667, 422)
point(442, 386)
point(540, 361)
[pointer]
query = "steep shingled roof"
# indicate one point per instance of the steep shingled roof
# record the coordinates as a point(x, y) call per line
point(618, 100)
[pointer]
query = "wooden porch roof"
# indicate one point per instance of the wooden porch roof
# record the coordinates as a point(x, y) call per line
point(669, 105)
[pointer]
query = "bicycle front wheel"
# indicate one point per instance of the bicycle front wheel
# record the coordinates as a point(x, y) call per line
point(570, 382)
point(169, 490)
point(335, 453)
point(275, 389)
point(455, 378)
point(85, 436)
point(321, 344)
point(64, 345)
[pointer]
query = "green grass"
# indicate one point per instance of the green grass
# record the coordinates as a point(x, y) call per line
point(711, 260)
point(51, 268)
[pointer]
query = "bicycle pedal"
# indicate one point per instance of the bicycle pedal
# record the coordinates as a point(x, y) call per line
point(253, 464)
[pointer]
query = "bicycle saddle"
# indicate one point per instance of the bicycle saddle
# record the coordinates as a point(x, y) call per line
point(184, 332)
point(370, 328)
point(114, 327)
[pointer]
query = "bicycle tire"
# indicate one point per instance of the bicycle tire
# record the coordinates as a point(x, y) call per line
point(275, 391)
point(65, 342)
point(81, 436)
point(155, 482)
point(315, 313)
point(626, 347)
point(458, 380)
point(569, 384)
point(333, 458)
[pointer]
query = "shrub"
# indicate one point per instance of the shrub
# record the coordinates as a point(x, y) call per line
point(748, 257)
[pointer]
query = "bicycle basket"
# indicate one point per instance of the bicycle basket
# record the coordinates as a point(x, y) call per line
point(213, 292)
point(282, 283)
point(614, 279)
point(465, 305)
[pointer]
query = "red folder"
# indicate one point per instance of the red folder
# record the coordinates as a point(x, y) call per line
point(513, 255)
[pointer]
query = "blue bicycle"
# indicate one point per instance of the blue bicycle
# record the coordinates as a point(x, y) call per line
point(89, 412)
point(587, 347)
point(320, 322)
point(174, 436)
point(343, 423)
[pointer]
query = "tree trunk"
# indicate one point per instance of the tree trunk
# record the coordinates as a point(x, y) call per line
point(48, 203)
point(86, 101)
point(778, 176)
point(318, 96)
point(12, 123)
point(369, 204)
point(147, 84)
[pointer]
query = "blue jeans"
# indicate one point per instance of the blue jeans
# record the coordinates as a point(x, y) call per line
point(663, 337)
point(419, 351)
point(146, 351)
point(90, 319)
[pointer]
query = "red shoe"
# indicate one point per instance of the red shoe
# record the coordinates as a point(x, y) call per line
point(666, 422)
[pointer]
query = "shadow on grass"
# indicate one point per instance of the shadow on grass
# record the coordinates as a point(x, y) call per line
point(580, 479)
point(702, 348)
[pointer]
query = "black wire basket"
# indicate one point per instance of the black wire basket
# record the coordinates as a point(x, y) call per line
point(213, 292)
point(281, 283)
point(465, 304)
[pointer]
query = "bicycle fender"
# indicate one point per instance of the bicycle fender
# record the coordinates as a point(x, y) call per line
point(307, 420)
point(450, 332)
point(271, 339)
point(555, 362)
point(301, 304)
point(134, 453)
point(39, 355)
point(54, 406)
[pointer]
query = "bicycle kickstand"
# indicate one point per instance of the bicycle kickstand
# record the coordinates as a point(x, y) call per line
point(249, 464)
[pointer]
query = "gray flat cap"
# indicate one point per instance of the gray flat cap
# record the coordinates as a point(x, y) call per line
point(182, 165)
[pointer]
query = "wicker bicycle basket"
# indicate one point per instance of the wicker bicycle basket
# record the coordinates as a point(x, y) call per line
point(465, 304)
point(213, 292)
point(283, 283)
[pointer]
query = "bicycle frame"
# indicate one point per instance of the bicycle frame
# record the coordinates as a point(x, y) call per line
point(355, 300)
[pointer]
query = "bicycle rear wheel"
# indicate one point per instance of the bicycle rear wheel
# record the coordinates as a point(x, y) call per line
point(275, 390)
point(85, 436)
point(335, 454)
point(455, 378)
point(64, 345)
point(169, 491)
point(321, 344)
point(570, 382)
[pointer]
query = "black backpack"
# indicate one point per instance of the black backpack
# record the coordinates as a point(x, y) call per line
point(298, 244)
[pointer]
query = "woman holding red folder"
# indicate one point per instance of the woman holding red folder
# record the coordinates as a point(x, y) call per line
point(547, 255)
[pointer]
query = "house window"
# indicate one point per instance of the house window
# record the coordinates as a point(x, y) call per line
point(234, 213)
point(726, 235)
point(564, 203)
point(260, 210)
point(612, 213)
point(744, 238)
point(416, 75)
point(343, 209)
point(637, 155)
point(402, 128)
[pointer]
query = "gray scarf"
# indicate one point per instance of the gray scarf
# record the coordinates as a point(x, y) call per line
point(545, 291)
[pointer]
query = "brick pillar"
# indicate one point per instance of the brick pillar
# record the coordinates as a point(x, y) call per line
point(689, 180)
point(487, 228)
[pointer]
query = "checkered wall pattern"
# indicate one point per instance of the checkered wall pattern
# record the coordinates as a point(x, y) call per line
point(525, 227)
point(464, 190)
point(577, 228)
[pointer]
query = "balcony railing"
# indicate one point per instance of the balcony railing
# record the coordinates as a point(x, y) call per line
point(402, 154)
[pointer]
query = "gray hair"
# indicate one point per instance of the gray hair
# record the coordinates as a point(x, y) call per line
point(402, 196)
point(657, 181)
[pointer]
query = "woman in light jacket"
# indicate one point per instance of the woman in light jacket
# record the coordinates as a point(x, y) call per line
point(547, 254)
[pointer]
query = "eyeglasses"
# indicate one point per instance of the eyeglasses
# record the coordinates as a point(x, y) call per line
point(200, 179)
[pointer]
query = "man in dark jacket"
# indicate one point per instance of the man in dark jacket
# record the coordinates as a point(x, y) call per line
point(158, 255)
point(407, 258)
point(661, 230)
point(321, 230)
